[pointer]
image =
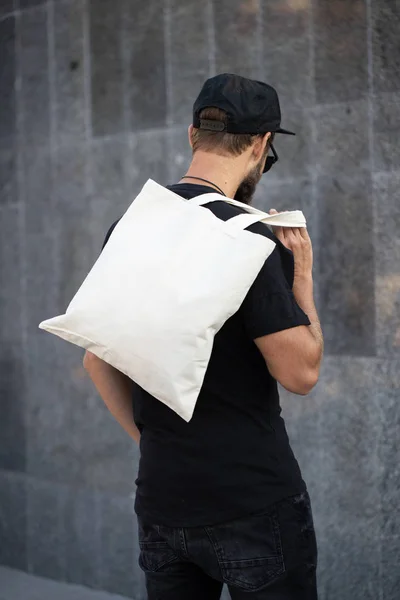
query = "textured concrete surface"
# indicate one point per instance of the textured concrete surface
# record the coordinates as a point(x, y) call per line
point(16, 585)
point(95, 98)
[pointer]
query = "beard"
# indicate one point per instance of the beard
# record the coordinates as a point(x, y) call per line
point(247, 188)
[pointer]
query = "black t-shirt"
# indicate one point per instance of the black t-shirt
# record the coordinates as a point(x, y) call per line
point(234, 456)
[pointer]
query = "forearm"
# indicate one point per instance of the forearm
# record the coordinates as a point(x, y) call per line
point(115, 389)
point(303, 290)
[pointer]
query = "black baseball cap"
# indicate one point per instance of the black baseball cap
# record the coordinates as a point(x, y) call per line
point(251, 106)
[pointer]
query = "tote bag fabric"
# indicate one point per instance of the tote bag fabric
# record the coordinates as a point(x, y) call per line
point(169, 277)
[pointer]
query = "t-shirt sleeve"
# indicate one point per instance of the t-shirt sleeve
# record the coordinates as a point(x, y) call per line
point(270, 305)
point(109, 232)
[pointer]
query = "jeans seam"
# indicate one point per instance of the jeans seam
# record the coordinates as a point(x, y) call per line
point(277, 536)
point(217, 548)
point(182, 540)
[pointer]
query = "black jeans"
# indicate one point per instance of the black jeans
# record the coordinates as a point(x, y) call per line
point(268, 555)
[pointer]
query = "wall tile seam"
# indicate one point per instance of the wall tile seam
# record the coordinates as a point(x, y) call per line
point(371, 132)
point(53, 146)
point(212, 51)
point(329, 354)
point(321, 105)
point(277, 183)
point(17, 12)
point(358, 175)
point(364, 361)
point(307, 110)
point(125, 50)
point(12, 474)
point(292, 44)
point(14, 204)
point(167, 23)
point(20, 174)
point(29, 479)
point(21, 191)
point(392, 96)
point(150, 130)
point(99, 522)
point(87, 110)
point(314, 157)
point(259, 39)
point(13, 14)
point(87, 71)
point(382, 175)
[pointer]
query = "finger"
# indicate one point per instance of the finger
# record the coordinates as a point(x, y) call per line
point(278, 231)
point(304, 233)
point(293, 238)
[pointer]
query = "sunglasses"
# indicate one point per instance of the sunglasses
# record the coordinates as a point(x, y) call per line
point(271, 160)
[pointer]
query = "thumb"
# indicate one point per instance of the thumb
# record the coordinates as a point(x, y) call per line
point(273, 211)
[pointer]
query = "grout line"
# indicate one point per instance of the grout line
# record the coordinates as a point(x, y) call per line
point(88, 121)
point(17, 11)
point(322, 105)
point(51, 65)
point(210, 22)
point(260, 23)
point(370, 84)
point(168, 85)
point(87, 70)
point(383, 174)
point(313, 120)
point(55, 238)
point(66, 485)
point(11, 14)
point(168, 60)
point(371, 145)
point(126, 56)
point(21, 186)
point(312, 42)
point(104, 139)
point(260, 41)
point(98, 527)
point(53, 146)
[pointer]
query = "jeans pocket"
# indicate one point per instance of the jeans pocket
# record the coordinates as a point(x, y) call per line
point(249, 551)
point(155, 552)
point(155, 555)
point(252, 574)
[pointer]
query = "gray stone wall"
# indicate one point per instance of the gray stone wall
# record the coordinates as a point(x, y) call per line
point(95, 97)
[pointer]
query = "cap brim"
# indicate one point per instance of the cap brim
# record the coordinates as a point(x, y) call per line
point(286, 131)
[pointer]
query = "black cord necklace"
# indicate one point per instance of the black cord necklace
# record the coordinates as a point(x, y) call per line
point(205, 180)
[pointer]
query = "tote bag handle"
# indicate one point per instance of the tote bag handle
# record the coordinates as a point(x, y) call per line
point(294, 218)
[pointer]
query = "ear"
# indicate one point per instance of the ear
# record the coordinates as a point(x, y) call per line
point(260, 145)
point(190, 133)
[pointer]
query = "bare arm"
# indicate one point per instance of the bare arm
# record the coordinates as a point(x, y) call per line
point(294, 356)
point(115, 389)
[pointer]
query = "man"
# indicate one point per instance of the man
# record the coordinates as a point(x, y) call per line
point(221, 498)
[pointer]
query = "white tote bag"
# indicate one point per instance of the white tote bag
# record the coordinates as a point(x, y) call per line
point(169, 277)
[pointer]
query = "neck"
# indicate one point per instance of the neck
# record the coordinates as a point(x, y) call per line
point(218, 170)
